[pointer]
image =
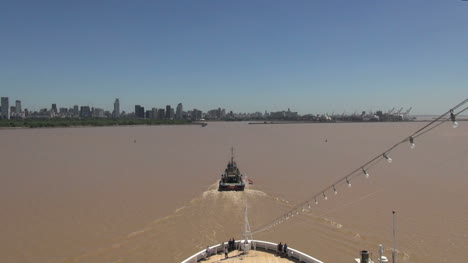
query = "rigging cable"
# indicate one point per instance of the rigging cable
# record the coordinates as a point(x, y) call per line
point(366, 166)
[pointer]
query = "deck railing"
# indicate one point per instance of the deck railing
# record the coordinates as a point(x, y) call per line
point(254, 244)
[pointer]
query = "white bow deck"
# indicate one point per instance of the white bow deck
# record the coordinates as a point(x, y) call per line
point(258, 252)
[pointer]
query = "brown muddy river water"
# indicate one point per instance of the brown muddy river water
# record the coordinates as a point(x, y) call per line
point(95, 195)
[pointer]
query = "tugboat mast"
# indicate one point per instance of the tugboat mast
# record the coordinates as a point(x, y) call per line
point(232, 154)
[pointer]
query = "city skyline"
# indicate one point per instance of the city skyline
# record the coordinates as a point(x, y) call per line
point(141, 110)
point(315, 56)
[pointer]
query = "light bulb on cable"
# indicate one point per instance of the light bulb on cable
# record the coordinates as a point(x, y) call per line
point(411, 140)
point(347, 181)
point(389, 160)
point(316, 202)
point(365, 173)
point(324, 196)
point(334, 190)
point(308, 205)
point(452, 118)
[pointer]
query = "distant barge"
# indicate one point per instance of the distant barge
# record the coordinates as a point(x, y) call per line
point(231, 179)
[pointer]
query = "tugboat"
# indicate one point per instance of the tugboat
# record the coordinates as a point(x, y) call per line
point(231, 179)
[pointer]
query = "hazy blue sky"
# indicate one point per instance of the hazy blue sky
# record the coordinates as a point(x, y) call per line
point(312, 56)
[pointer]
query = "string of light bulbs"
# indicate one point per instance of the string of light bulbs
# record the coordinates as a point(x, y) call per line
point(364, 169)
point(451, 118)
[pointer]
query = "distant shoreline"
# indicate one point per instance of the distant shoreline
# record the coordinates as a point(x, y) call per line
point(87, 123)
point(83, 123)
point(339, 122)
point(103, 126)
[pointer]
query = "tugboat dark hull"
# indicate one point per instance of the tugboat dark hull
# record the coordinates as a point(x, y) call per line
point(231, 187)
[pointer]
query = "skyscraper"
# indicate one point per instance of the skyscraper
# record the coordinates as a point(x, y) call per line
point(18, 106)
point(54, 108)
point(149, 114)
point(196, 115)
point(116, 108)
point(154, 113)
point(139, 111)
point(161, 114)
point(85, 112)
point(179, 111)
point(168, 111)
point(76, 111)
point(97, 113)
point(5, 108)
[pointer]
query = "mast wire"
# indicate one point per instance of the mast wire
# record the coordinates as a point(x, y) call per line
point(364, 168)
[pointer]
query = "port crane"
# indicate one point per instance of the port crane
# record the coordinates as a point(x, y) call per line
point(407, 112)
point(405, 115)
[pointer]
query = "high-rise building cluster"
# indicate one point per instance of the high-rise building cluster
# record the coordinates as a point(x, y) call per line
point(7, 112)
point(164, 113)
point(167, 112)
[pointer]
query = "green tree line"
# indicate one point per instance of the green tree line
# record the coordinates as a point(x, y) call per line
point(73, 122)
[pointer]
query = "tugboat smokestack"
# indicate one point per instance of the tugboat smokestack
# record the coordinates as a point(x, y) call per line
point(364, 256)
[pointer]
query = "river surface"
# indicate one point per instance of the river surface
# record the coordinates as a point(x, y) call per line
point(148, 193)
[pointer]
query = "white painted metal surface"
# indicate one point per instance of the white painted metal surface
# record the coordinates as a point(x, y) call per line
point(253, 244)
